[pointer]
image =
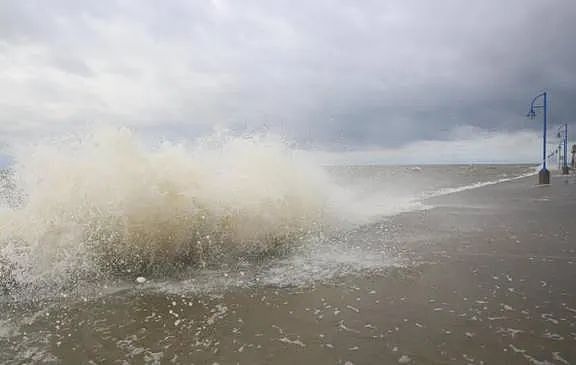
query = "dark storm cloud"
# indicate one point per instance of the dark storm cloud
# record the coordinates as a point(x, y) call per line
point(341, 74)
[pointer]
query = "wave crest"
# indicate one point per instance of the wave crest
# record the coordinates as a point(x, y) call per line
point(106, 203)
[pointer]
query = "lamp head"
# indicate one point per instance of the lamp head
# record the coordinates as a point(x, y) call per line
point(531, 114)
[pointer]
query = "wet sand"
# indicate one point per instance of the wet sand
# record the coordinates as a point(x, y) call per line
point(488, 277)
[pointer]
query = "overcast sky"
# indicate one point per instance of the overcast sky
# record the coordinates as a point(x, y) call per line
point(339, 75)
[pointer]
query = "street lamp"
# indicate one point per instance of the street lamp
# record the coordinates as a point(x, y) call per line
point(560, 148)
point(544, 174)
point(564, 135)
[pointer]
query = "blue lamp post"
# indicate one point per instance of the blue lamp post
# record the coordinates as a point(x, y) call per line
point(565, 168)
point(544, 174)
point(560, 149)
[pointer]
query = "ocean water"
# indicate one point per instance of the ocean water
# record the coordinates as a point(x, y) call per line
point(91, 226)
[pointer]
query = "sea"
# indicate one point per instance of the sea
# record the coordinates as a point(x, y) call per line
point(112, 251)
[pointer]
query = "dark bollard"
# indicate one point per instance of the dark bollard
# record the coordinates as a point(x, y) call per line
point(565, 170)
point(544, 177)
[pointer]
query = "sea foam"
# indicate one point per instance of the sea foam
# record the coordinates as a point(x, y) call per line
point(105, 203)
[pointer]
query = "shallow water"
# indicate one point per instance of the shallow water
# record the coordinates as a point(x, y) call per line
point(191, 311)
point(195, 314)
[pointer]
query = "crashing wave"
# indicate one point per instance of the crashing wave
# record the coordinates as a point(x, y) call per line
point(106, 203)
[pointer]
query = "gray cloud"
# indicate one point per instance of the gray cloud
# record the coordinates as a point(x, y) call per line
point(341, 74)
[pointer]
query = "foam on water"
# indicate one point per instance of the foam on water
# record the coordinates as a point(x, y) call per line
point(104, 203)
point(452, 190)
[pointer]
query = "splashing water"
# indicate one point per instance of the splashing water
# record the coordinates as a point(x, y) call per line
point(105, 204)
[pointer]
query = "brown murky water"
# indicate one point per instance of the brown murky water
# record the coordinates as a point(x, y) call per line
point(487, 276)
